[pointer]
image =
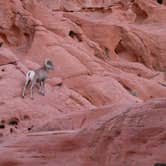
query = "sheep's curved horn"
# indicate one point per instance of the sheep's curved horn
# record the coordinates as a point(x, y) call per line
point(48, 63)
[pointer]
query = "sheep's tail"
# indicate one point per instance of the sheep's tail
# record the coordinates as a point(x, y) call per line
point(30, 75)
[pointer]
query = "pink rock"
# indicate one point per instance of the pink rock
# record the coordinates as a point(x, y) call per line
point(31, 65)
point(55, 81)
point(6, 56)
point(104, 102)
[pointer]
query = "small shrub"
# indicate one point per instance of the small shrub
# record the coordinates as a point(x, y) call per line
point(134, 93)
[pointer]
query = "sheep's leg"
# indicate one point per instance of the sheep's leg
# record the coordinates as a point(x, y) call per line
point(42, 92)
point(24, 88)
point(31, 88)
point(40, 87)
point(43, 88)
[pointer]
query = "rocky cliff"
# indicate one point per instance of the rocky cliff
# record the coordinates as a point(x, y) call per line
point(105, 100)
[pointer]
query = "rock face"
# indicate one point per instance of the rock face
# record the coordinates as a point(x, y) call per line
point(105, 101)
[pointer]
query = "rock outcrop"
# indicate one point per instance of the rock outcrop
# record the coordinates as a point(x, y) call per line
point(105, 101)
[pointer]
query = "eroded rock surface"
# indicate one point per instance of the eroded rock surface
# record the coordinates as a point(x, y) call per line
point(105, 101)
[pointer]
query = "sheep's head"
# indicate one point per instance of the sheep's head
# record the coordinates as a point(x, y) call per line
point(48, 64)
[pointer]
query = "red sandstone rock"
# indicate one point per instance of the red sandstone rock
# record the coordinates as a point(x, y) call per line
point(6, 56)
point(55, 82)
point(105, 100)
point(134, 136)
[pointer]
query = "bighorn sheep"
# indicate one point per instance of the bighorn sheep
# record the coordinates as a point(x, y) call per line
point(38, 76)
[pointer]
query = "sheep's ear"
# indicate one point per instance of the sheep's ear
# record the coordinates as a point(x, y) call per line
point(45, 62)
